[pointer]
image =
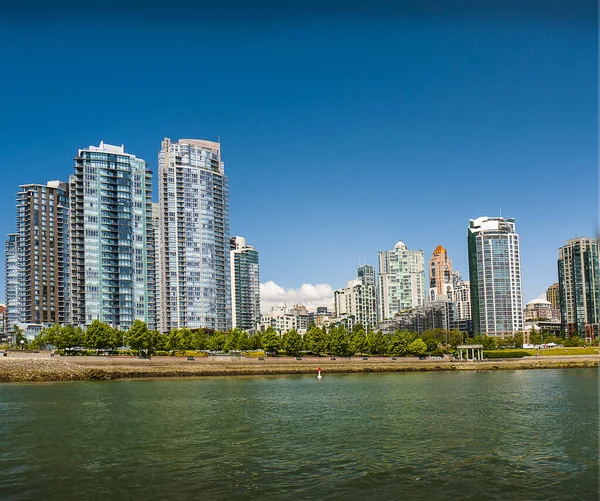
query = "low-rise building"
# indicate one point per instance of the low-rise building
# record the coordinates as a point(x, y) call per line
point(540, 309)
point(283, 320)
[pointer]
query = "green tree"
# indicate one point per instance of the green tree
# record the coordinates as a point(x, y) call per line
point(38, 342)
point(417, 347)
point(315, 340)
point(182, 339)
point(232, 340)
point(357, 327)
point(199, 339)
point(518, 340)
point(358, 341)
point(18, 336)
point(162, 341)
point(255, 341)
point(270, 340)
point(243, 341)
point(52, 336)
point(399, 343)
point(216, 342)
point(69, 337)
point(376, 343)
point(439, 335)
point(172, 339)
point(292, 343)
point(431, 344)
point(455, 338)
point(535, 337)
point(141, 339)
point(99, 336)
point(121, 337)
point(339, 345)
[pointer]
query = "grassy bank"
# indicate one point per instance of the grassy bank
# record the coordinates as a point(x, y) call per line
point(546, 352)
point(104, 368)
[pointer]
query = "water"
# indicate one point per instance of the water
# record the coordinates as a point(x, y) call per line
point(490, 435)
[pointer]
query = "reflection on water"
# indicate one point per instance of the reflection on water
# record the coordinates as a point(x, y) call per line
point(489, 435)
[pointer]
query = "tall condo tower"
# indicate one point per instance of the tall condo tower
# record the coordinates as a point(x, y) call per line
point(153, 261)
point(194, 231)
point(579, 287)
point(366, 274)
point(11, 277)
point(441, 278)
point(36, 256)
point(111, 251)
point(553, 295)
point(495, 276)
point(401, 280)
point(245, 285)
point(462, 298)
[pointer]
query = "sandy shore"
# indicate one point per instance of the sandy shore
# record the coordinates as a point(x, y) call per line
point(40, 367)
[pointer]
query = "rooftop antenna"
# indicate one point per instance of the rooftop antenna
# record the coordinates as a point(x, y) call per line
point(500, 211)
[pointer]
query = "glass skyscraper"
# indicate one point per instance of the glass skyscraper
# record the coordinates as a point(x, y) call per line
point(366, 274)
point(401, 284)
point(495, 276)
point(194, 233)
point(111, 251)
point(245, 285)
point(579, 287)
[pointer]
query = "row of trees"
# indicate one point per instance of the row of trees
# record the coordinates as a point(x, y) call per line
point(335, 341)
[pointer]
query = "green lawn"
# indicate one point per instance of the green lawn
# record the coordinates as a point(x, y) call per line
point(519, 352)
point(592, 350)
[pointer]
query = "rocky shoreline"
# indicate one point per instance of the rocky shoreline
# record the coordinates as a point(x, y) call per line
point(38, 369)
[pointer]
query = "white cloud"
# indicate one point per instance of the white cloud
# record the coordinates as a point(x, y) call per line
point(309, 295)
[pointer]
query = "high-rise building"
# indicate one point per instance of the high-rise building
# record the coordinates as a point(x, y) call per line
point(13, 306)
point(194, 228)
point(366, 274)
point(358, 301)
point(495, 276)
point(37, 284)
point(462, 297)
point(401, 280)
point(245, 285)
point(553, 295)
point(579, 282)
point(153, 264)
point(111, 250)
point(441, 277)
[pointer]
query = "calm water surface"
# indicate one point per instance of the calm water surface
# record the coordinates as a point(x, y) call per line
point(491, 435)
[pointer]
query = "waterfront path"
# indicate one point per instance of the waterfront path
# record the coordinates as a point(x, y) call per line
point(21, 367)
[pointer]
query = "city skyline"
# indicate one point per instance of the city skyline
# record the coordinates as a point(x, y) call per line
point(408, 114)
point(313, 295)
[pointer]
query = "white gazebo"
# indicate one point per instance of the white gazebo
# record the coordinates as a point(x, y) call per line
point(473, 353)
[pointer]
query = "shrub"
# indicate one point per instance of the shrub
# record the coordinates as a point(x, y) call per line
point(258, 353)
point(190, 353)
point(505, 354)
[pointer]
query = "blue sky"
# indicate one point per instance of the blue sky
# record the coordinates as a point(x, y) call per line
point(340, 133)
